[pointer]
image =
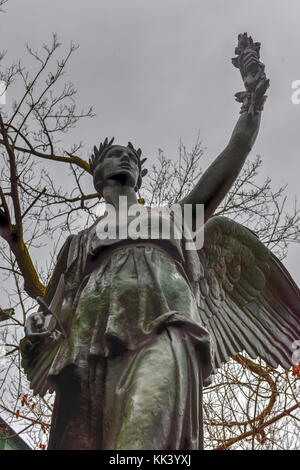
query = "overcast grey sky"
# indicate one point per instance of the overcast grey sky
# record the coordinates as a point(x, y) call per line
point(160, 70)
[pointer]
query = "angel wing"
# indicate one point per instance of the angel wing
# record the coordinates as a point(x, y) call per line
point(246, 298)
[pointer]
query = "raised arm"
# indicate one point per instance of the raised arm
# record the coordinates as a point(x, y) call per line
point(215, 183)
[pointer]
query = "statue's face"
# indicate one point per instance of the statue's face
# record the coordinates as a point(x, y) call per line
point(119, 164)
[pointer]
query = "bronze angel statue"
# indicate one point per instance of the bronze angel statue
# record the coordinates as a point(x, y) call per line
point(130, 330)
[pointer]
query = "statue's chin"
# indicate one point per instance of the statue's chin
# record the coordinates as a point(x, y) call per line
point(125, 178)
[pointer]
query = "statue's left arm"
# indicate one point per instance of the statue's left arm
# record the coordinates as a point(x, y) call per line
point(215, 183)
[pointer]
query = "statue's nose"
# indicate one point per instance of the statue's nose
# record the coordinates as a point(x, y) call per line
point(125, 158)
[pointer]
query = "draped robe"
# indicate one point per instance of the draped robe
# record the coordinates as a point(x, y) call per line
point(129, 374)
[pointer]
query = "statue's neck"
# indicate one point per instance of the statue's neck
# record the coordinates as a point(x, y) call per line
point(113, 191)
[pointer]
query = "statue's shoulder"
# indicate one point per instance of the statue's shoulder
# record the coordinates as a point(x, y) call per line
point(75, 238)
point(76, 244)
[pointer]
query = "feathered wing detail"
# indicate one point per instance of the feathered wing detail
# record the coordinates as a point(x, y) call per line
point(246, 298)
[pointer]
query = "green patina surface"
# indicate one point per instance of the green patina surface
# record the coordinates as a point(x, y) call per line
point(9, 440)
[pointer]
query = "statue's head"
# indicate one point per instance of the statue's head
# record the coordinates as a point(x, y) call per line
point(115, 162)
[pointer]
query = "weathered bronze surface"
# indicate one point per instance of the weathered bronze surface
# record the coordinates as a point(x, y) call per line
point(137, 327)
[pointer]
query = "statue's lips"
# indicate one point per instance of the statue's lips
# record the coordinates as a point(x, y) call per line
point(125, 166)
